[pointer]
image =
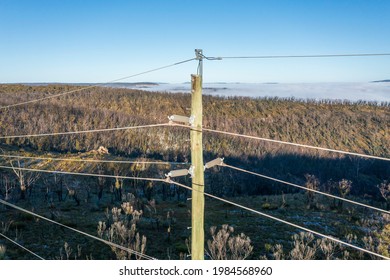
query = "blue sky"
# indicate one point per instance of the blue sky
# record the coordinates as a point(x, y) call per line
point(98, 41)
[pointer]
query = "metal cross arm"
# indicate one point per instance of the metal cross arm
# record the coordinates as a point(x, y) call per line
point(182, 119)
point(214, 162)
point(177, 173)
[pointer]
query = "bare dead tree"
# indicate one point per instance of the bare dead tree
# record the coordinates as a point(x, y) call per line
point(384, 189)
point(312, 183)
point(101, 182)
point(118, 185)
point(305, 246)
point(7, 185)
point(59, 183)
point(73, 192)
point(25, 179)
point(225, 246)
point(136, 170)
point(344, 188)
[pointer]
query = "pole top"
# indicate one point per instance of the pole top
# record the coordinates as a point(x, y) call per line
point(199, 57)
point(199, 54)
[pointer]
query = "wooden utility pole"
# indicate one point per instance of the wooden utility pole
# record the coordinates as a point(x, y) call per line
point(197, 230)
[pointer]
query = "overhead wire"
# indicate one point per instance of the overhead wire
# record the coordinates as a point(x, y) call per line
point(78, 231)
point(283, 221)
point(94, 160)
point(282, 142)
point(204, 129)
point(96, 85)
point(21, 246)
point(83, 174)
point(298, 56)
point(296, 144)
point(304, 188)
point(85, 131)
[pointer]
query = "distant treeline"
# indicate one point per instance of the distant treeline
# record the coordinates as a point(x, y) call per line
point(362, 127)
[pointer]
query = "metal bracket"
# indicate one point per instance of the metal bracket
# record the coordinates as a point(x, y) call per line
point(214, 162)
point(199, 54)
point(199, 57)
point(192, 120)
point(191, 170)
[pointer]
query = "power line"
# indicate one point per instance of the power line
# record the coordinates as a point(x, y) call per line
point(96, 85)
point(94, 160)
point(86, 131)
point(285, 222)
point(21, 246)
point(298, 56)
point(304, 188)
point(78, 231)
point(285, 142)
point(83, 174)
point(205, 129)
point(295, 144)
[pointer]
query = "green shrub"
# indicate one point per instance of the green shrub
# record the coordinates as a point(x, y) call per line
point(269, 206)
point(181, 247)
